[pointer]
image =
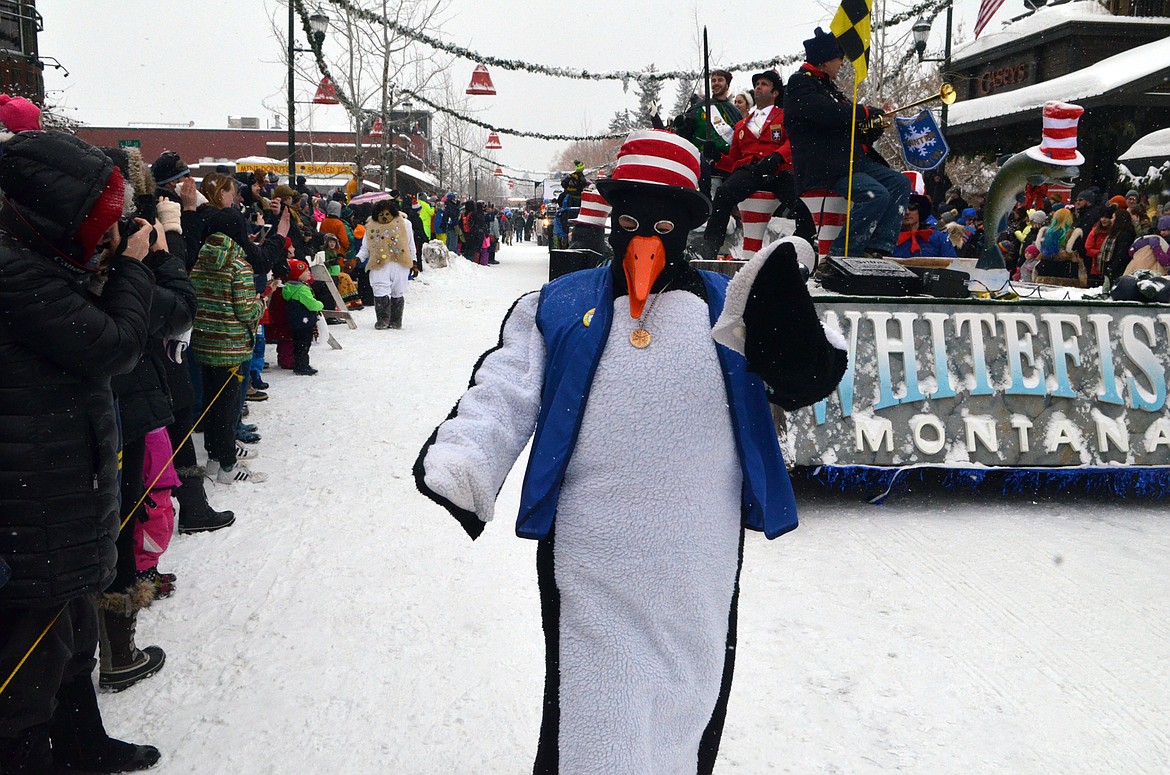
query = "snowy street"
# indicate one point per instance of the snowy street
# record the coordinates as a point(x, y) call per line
point(346, 624)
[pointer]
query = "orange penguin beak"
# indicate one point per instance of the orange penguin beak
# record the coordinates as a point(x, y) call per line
point(644, 261)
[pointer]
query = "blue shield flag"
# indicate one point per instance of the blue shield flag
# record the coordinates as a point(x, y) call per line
point(923, 146)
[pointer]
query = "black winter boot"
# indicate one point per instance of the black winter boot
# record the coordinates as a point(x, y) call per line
point(195, 513)
point(122, 663)
point(396, 305)
point(301, 348)
point(382, 310)
point(79, 738)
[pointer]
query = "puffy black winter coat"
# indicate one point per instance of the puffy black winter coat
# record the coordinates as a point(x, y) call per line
point(144, 397)
point(819, 120)
point(59, 347)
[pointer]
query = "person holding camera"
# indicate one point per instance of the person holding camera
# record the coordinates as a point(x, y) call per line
point(63, 335)
point(222, 216)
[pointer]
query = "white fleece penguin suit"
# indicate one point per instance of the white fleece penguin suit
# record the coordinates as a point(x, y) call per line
point(654, 448)
point(640, 579)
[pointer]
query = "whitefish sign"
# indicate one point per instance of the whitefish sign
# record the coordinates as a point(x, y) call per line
point(987, 383)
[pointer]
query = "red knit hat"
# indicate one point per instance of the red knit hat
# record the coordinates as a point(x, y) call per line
point(106, 210)
point(296, 268)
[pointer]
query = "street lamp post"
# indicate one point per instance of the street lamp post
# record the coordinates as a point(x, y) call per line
point(440, 166)
point(394, 135)
point(921, 30)
point(318, 23)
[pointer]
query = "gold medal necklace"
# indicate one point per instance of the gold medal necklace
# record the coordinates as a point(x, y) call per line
point(640, 337)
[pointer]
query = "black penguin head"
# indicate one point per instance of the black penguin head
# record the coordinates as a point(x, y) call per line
point(648, 233)
point(655, 211)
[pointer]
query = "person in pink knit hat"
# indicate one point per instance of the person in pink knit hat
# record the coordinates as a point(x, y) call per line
point(18, 114)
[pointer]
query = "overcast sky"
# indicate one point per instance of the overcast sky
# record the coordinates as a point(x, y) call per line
point(177, 61)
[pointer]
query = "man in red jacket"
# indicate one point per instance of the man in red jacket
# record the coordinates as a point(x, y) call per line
point(759, 160)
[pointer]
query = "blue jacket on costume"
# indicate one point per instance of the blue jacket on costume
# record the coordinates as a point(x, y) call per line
point(574, 349)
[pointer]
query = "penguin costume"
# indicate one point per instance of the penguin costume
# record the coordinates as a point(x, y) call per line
point(654, 448)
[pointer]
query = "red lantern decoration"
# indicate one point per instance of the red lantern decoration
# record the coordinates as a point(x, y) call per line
point(481, 82)
point(493, 142)
point(326, 93)
point(499, 171)
point(376, 129)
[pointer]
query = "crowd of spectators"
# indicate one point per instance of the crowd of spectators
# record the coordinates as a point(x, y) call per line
point(1092, 242)
point(133, 322)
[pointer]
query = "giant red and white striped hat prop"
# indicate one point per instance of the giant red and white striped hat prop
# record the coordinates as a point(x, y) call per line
point(1058, 145)
point(656, 159)
point(594, 209)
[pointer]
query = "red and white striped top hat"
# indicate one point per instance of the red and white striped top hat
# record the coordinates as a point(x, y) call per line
point(594, 209)
point(1058, 145)
point(655, 158)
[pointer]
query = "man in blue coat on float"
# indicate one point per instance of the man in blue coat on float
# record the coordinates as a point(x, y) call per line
point(917, 239)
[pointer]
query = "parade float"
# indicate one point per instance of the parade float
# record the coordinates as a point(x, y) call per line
point(1024, 387)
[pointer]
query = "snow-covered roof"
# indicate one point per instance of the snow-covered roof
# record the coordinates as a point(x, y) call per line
point(1147, 160)
point(1095, 80)
point(419, 175)
point(1043, 20)
point(1155, 144)
point(260, 160)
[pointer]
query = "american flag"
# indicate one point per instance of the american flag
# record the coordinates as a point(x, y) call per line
point(987, 9)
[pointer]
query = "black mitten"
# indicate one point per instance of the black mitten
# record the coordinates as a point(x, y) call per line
point(785, 342)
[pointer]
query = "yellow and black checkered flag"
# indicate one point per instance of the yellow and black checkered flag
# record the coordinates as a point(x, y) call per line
point(851, 26)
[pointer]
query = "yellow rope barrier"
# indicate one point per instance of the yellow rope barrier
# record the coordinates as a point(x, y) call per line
point(31, 649)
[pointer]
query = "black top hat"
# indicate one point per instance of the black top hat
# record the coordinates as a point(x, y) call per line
point(770, 75)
